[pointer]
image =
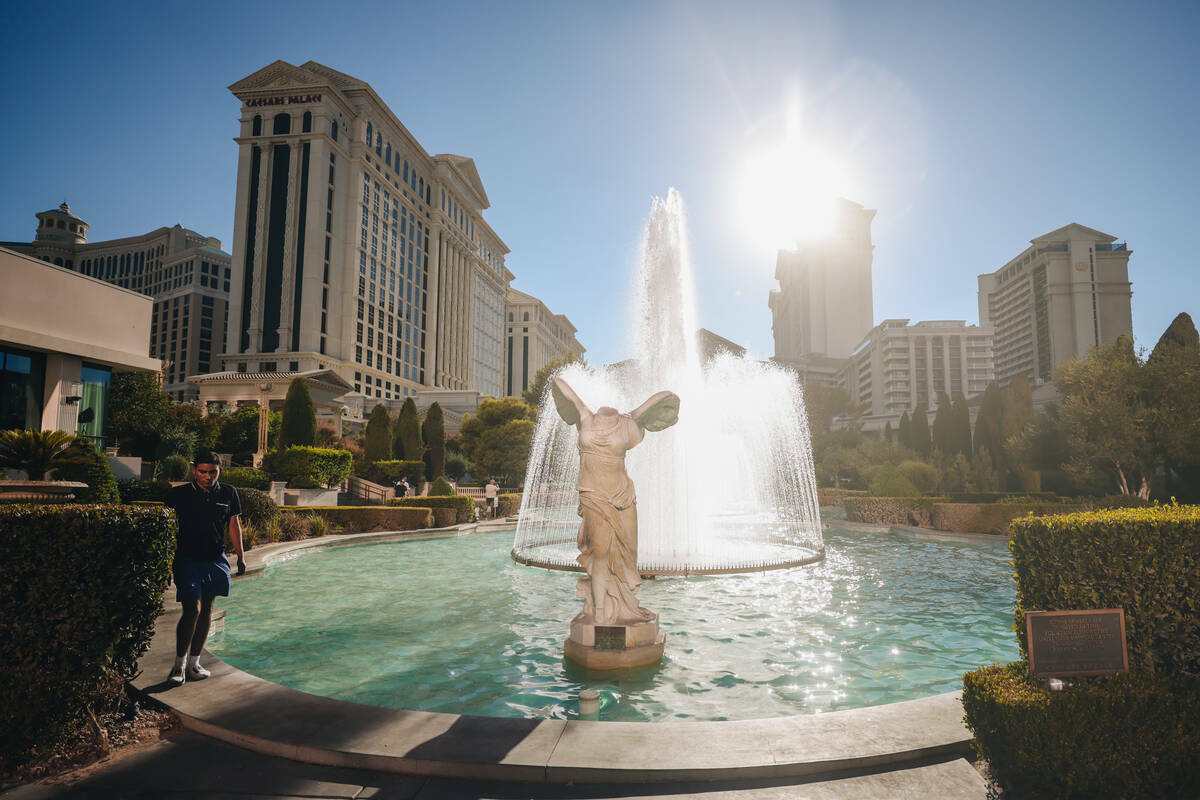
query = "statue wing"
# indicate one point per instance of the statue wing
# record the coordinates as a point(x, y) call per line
point(658, 413)
point(569, 406)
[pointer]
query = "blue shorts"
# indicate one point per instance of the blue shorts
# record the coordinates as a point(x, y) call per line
point(195, 579)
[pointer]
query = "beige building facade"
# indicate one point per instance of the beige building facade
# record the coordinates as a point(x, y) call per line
point(186, 273)
point(62, 336)
point(824, 304)
point(536, 336)
point(1063, 295)
point(901, 367)
point(355, 249)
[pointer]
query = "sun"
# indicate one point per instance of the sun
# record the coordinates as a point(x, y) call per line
point(787, 193)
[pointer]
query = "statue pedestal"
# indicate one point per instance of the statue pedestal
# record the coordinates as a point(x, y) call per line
point(615, 646)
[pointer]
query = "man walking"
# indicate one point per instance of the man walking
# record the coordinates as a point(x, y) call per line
point(490, 492)
point(206, 510)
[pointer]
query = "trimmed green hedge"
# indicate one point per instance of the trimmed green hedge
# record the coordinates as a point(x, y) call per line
point(991, 518)
point(310, 467)
point(464, 506)
point(361, 519)
point(1145, 560)
point(891, 510)
point(387, 473)
point(246, 477)
point(134, 491)
point(996, 497)
point(80, 587)
point(441, 488)
point(507, 505)
point(1135, 734)
point(836, 497)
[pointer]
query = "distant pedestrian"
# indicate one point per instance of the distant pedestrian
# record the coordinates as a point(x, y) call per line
point(207, 510)
point(491, 491)
point(404, 487)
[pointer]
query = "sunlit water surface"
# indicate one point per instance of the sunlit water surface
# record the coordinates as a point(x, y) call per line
point(454, 625)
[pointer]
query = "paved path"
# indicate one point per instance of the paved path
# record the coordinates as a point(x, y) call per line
point(188, 766)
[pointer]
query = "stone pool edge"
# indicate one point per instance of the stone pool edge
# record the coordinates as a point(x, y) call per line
point(247, 711)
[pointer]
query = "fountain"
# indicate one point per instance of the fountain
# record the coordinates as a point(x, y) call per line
point(730, 488)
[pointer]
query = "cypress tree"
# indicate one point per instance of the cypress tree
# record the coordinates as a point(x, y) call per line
point(433, 429)
point(378, 445)
point(299, 425)
point(407, 445)
point(962, 425)
point(904, 435)
point(887, 431)
point(1180, 337)
point(987, 424)
point(943, 425)
point(922, 442)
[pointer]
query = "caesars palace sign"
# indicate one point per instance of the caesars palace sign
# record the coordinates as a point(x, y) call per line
point(283, 100)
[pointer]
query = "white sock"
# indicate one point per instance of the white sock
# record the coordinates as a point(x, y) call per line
point(193, 661)
point(179, 662)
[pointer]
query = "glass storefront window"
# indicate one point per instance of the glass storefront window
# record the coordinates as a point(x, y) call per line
point(22, 389)
point(93, 405)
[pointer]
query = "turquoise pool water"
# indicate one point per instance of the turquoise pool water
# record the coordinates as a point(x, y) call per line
point(454, 625)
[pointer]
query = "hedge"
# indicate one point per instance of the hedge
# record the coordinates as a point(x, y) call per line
point(389, 472)
point(991, 518)
point(836, 497)
point(464, 506)
point(360, 519)
point(996, 497)
point(80, 587)
point(257, 507)
point(507, 505)
point(95, 472)
point(133, 491)
point(1135, 734)
point(891, 510)
point(310, 467)
point(246, 477)
point(1145, 560)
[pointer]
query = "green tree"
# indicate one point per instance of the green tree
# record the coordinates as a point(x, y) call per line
point(492, 413)
point(888, 481)
point(1171, 379)
point(407, 445)
point(239, 434)
point(823, 403)
point(962, 425)
point(888, 436)
point(943, 425)
point(138, 411)
point(924, 477)
point(537, 387)
point(1016, 404)
point(503, 451)
point(904, 434)
point(93, 470)
point(378, 444)
point(984, 471)
point(987, 424)
point(1104, 414)
point(922, 442)
point(433, 430)
point(958, 476)
point(299, 424)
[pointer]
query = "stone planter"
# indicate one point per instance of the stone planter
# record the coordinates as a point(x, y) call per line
point(39, 491)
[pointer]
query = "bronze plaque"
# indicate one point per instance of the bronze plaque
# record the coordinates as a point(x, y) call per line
point(1069, 644)
point(610, 637)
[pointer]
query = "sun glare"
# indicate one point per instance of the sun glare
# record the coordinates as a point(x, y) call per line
point(787, 194)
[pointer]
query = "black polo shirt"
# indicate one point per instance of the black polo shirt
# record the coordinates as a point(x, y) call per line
point(203, 518)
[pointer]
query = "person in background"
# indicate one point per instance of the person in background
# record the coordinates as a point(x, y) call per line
point(490, 492)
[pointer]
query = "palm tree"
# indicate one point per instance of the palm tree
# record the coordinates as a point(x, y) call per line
point(38, 452)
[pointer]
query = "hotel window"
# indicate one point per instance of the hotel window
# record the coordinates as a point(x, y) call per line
point(370, 135)
point(256, 129)
point(333, 126)
point(306, 123)
point(282, 124)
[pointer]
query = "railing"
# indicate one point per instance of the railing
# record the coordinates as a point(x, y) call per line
point(365, 489)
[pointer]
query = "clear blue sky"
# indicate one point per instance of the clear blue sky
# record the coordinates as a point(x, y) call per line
point(971, 128)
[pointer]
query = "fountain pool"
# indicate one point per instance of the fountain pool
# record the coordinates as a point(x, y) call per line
point(883, 618)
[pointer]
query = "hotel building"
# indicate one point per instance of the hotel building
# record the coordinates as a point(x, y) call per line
point(823, 306)
point(1063, 295)
point(901, 367)
point(536, 335)
point(356, 250)
point(185, 272)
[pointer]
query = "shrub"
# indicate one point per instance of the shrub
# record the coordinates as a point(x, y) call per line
point(95, 472)
point(836, 497)
point(37, 452)
point(1135, 734)
point(361, 519)
point(389, 472)
point(891, 510)
point(441, 488)
point(507, 505)
point(298, 423)
point(1144, 560)
point(317, 525)
point(463, 505)
point(991, 517)
point(310, 467)
point(133, 491)
point(1118, 501)
point(996, 497)
point(246, 477)
point(175, 468)
point(378, 438)
point(257, 507)
point(293, 527)
point(888, 481)
point(80, 587)
point(921, 475)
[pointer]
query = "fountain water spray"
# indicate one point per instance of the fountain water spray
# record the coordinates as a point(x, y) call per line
point(730, 488)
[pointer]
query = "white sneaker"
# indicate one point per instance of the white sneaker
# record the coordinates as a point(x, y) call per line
point(176, 676)
point(195, 672)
